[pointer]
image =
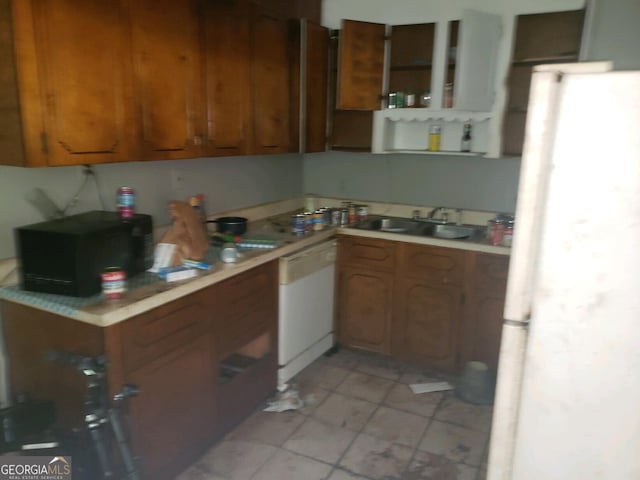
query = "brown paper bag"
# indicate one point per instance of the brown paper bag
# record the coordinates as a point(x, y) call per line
point(187, 233)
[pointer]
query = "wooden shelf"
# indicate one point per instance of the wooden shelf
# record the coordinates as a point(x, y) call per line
point(429, 114)
point(444, 153)
point(537, 61)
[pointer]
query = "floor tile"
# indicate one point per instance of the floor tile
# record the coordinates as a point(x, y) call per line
point(427, 466)
point(343, 358)
point(366, 387)
point(482, 472)
point(417, 376)
point(347, 412)
point(376, 458)
point(268, 427)
point(456, 443)
point(454, 410)
point(321, 375)
point(402, 398)
point(236, 459)
point(339, 474)
point(312, 396)
point(195, 473)
point(396, 426)
point(381, 366)
point(289, 466)
point(319, 440)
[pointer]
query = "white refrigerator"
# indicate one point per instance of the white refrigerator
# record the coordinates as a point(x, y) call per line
point(568, 394)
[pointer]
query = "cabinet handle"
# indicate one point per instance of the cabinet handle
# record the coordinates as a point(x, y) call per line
point(197, 140)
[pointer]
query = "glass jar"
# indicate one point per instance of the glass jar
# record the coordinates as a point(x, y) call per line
point(447, 100)
point(507, 237)
point(425, 99)
point(498, 232)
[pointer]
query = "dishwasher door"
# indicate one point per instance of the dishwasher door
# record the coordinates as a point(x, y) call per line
point(306, 307)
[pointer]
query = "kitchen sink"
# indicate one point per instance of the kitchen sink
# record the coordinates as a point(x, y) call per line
point(448, 231)
point(421, 228)
point(391, 224)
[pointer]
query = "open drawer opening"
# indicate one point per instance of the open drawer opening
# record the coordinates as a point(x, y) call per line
point(244, 358)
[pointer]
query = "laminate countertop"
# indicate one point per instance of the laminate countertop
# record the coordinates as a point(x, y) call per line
point(147, 291)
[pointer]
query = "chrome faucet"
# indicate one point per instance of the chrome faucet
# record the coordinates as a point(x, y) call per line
point(430, 218)
point(444, 215)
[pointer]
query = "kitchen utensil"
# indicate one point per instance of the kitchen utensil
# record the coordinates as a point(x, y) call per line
point(229, 253)
point(233, 225)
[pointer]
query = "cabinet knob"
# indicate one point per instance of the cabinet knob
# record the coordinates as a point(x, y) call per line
point(197, 140)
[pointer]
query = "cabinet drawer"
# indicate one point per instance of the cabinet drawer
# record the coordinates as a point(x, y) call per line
point(366, 252)
point(247, 306)
point(490, 273)
point(433, 264)
point(153, 334)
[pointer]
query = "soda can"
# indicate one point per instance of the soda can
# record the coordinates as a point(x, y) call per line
point(125, 201)
point(344, 216)
point(362, 212)
point(308, 221)
point(114, 283)
point(318, 220)
point(335, 217)
point(298, 224)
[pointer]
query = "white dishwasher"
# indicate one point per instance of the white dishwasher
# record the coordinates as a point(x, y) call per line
point(305, 318)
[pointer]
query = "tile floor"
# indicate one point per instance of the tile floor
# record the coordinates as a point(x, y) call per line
point(361, 422)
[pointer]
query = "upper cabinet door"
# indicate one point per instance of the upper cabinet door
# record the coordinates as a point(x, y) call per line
point(270, 82)
point(476, 67)
point(360, 65)
point(168, 76)
point(81, 62)
point(228, 74)
point(316, 85)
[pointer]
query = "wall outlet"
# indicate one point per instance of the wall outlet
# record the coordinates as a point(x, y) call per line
point(177, 180)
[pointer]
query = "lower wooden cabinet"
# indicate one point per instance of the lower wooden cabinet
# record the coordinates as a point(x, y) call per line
point(365, 306)
point(173, 416)
point(433, 307)
point(198, 378)
point(427, 324)
point(484, 308)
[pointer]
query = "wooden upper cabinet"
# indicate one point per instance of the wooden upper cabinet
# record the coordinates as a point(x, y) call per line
point(316, 86)
point(228, 58)
point(539, 38)
point(72, 73)
point(360, 65)
point(270, 82)
point(168, 76)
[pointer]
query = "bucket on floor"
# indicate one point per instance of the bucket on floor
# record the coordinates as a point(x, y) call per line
point(476, 384)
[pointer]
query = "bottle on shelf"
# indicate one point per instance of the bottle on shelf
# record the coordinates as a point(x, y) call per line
point(425, 99)
point(447, 101)
point(465, 143)
point(434, 138)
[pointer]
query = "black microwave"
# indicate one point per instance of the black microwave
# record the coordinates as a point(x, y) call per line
point(66, 256)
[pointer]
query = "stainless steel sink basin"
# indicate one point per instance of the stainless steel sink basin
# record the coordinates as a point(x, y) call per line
point(448, 231)
point(417, 227)
point(392, 224)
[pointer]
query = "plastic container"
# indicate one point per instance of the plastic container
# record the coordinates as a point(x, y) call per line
point(434, 138)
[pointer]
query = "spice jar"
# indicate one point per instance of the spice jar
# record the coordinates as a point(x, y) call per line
point(498, 231)
point(507, 237)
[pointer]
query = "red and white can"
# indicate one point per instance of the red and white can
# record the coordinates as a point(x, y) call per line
point(126, 202)
point(114, 283)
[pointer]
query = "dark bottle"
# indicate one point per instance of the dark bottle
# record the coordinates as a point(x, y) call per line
point(465, 143)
